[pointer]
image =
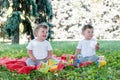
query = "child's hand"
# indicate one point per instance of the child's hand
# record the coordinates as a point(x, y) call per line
point(77, 52)
point(97, 46)
point(33, 58)
point(47, 58)
point(75, 56)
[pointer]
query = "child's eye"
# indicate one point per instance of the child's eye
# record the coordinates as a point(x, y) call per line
point(42, 31)
point(88, 31)
point(47, 32)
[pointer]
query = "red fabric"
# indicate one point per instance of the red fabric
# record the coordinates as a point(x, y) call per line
point(61, 66)
point(26, 69)
point(15, 65)
point(82, 64)
point(4, 60)
point(18, 65)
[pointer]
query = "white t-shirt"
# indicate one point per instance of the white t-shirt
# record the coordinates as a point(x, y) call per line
point(39, 49)
point(87, 47)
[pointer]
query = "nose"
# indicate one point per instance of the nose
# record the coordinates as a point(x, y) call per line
point(91, 33)
point(45, 34)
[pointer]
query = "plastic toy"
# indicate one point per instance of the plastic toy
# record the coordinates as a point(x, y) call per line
point(57, 67)
point(70, 60)
point(77, 63)
point(53, 68)
point(52, 65)
point(44, 67)
point(101, 62)
point(64, 57)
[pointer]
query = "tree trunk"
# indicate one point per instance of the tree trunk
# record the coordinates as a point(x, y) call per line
point(15, 37)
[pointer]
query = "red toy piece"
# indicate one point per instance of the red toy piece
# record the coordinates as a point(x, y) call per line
point(63, 57)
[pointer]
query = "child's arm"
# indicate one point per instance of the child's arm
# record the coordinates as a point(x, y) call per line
point(77, 52)
point(49, 54)
point(31, 55)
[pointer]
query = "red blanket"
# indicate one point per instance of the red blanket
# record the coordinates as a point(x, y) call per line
point(20, 66)
point(17, 65)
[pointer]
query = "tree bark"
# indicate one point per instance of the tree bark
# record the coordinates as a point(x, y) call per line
point(15, 37)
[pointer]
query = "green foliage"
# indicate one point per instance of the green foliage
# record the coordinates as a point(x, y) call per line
point(24, 7)
point(41, 10)
point(28, 7)
point(15, 5)
point(34, 9)
point(12, 23)
point(45, 8)
point(27, 27)
point(5, 3)
point(50, 31)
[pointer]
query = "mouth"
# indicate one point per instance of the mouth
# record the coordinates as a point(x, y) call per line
point(44, 35)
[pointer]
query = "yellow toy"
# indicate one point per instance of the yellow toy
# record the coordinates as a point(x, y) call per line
point(52, 62)
point(101, 62)
point(53, 65)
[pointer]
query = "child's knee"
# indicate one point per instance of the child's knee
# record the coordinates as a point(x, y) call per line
point(29, 62)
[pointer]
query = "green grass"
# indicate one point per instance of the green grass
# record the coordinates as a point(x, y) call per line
point(110, 49)
point(59, 48)
point(13, 51)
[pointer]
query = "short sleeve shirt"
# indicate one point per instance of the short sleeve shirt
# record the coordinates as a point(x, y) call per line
point(39, 49)
point(87, 47)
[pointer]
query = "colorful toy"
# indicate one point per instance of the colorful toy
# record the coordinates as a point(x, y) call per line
point(70, 60)
point(57, 67)
point(53, 68)
point(44, 67)
point(52, 65)
point(101, 61)
point(77, 63)
point(64, 57)
point(52, 62)
point(59, 64)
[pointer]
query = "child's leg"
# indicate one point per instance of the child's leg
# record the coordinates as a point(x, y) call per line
point(30, 62)
point(83, 59)
point(93, 58)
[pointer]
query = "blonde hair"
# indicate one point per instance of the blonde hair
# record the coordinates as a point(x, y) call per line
point(41, 25)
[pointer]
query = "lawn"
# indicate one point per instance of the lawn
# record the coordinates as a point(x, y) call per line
point(110, 49)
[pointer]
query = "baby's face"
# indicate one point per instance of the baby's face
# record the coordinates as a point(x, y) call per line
point(42, 34)
point(88, 33)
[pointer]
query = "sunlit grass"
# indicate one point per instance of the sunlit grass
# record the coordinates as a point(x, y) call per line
point(59, 48)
